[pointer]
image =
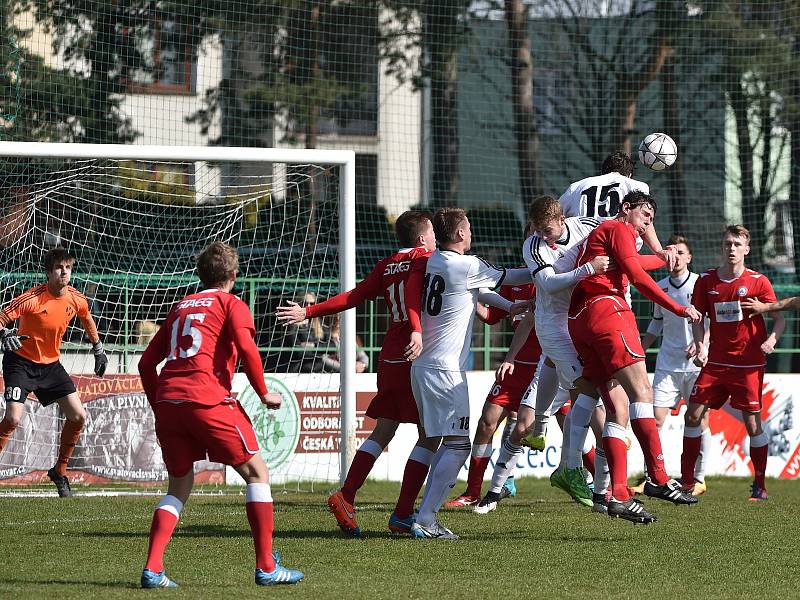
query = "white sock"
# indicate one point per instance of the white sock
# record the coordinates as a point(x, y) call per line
point(449, 459)
point(170, 504)
point(545, 392)
point(602, 476)
point(580, 416)
point(702, 460)
point(505, 465)
point(481, 450)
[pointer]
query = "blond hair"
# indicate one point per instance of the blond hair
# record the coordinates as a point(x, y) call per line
point(542, 210)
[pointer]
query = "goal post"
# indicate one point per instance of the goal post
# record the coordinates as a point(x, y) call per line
point(19, 225)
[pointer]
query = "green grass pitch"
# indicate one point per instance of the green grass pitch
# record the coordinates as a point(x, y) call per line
point(537, 545)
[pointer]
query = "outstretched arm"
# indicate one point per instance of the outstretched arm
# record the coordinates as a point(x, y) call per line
point(551, 282)
point(756, 307)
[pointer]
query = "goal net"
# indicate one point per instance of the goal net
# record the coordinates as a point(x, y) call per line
point(135, 217)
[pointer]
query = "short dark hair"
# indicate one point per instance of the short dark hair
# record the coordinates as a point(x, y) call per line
point(410, 225)
point(738, 231)
point(679, 239)
point(637, 198)
point(217, 263)
point(618, 162)
point(55, 256)
point(446, 222)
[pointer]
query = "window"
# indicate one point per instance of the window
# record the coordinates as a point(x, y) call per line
point(166, 62)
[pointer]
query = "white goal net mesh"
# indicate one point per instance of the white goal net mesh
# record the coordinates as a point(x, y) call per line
point(134, 228)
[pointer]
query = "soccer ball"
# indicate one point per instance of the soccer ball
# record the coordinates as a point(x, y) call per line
point(658, 151)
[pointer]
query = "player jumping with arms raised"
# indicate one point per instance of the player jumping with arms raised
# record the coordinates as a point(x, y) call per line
point(31, 356)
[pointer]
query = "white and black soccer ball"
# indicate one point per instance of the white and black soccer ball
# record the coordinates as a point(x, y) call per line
point(658, 151)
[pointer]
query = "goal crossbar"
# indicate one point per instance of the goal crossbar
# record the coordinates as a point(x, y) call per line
point(344, 159)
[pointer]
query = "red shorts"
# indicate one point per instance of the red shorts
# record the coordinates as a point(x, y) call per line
point(394, 399)
point(189, 431)
point(742, 385)
point(508, 393)
point(606, 337)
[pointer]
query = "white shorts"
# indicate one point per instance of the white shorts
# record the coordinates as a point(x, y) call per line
point(442, 401)
point(669, 387)
point(558, 347)
point(529, 397)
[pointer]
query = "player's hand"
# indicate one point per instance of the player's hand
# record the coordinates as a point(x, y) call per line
point(691, 351)
point(692, 314)
point(505, 368)
point(701, 355)
point(769, 346)
point(600, 264)
point(414, 348)
point(272, 400)
point(519, 308)
point(100, 359)
point(10, 340)
point(670, 256)
point(291, 314)
point(754, 306)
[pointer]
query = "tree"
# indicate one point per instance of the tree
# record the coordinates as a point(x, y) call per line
point(421, 43)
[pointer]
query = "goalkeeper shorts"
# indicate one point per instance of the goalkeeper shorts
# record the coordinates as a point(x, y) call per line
point(48, 382)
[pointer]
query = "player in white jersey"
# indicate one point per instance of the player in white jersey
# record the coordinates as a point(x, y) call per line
point(550, 254)
point(676, 372)
point(453, 285)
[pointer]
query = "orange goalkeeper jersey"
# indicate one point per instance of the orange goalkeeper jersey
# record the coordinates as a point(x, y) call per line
point(44, 318)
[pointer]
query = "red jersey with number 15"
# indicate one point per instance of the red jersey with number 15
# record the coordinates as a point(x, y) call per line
point(197, 340)
point(387, 279)
point(736, 338)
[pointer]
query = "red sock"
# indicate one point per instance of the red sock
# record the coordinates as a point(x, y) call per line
point(359, 470)
point(413, 477)
point(6, 429)
point(758, 456)
point(588, 461)
point(617, 457)
point(691, 451)
point(69, 437)
point(259, 514)
point(647, 433)
point(477, 468)
point(164, 522)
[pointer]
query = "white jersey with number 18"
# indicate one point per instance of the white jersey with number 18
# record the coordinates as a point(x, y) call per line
point(449, 298)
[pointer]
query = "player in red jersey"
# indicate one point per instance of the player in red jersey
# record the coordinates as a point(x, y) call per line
point(603, 328)
point(502, 402)
point(31, 356)
point(394, 402)
point(201, 339)
point(733, 365)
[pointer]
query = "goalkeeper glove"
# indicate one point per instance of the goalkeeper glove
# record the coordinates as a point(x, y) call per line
point(10, 340)
point(100, 359)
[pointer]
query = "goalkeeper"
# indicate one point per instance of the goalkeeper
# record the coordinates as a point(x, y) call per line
point(31, 356)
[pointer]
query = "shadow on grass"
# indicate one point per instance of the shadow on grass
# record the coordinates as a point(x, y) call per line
point(126, 584)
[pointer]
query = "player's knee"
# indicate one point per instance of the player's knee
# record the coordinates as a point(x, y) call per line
point(12, 421)
point(78, 418)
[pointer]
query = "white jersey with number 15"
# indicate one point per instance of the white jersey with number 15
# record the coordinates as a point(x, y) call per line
point(599, 197)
